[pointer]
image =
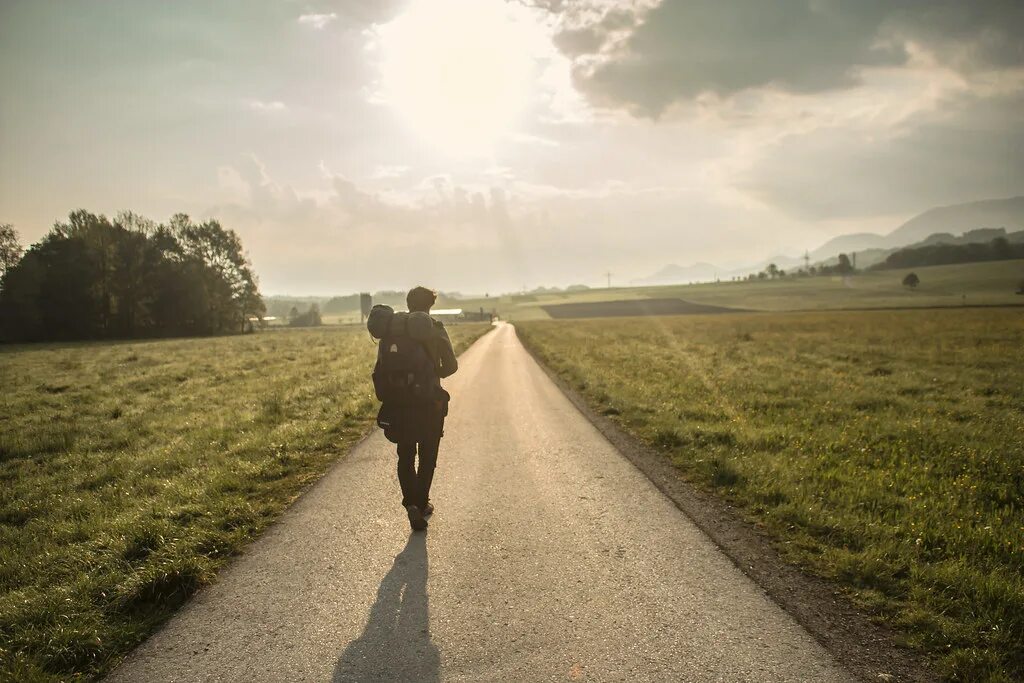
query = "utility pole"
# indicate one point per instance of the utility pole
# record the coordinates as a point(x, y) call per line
point(609, 276)
point(807, 261)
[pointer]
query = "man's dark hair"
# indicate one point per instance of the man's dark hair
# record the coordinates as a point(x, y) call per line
point(420, 299)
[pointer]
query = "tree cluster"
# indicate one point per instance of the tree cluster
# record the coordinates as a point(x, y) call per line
point(311, 318)
point(770, 273)
point(843, 266)
point(999, 249)
point(342, 304)
point(96, 278)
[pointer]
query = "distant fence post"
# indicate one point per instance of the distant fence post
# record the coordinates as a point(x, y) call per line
point(365, 304)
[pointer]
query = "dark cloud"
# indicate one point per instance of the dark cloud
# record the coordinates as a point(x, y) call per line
point(591, 37)
point(971, 149)
point(680, 49)
point(579, 41)
point(965, 34)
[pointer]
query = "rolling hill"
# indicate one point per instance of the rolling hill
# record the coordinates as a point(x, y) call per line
point(954, 219)
point(944, 221)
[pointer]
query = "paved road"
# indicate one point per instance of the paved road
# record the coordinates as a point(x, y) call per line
point(550, 558)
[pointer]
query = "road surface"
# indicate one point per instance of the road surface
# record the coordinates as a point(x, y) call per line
point(550, 558)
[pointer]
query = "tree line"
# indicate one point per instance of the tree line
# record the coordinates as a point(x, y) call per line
point(999, 249)
point(939, 254)
point(96, 278)
point(843, 266)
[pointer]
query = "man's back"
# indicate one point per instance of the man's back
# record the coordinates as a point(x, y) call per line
point(432, 334)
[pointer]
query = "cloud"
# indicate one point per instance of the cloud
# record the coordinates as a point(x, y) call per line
point(358, 13)
point(384, 171)
point(343, 235)
point(759, 127)
point(317, 21)
point(267, 107)
point(969, 35)
point(644, 60)
point(967, 149)
point(494, 232)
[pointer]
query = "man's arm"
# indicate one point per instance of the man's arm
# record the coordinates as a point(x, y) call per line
point(447, 364)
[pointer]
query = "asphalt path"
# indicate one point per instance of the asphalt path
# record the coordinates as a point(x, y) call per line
point(549, 558)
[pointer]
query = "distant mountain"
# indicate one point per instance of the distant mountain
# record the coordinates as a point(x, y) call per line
point(959, 218)
point(780, 260)
point(979, 221)
point(844, 244)
point(949, 220)
point(673, 274)
point(869, 257)
point(971, 237)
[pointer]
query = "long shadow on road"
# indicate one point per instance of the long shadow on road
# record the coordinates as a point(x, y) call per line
point(396, 645)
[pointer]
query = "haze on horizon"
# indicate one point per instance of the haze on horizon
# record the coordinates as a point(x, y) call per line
point(484, 145)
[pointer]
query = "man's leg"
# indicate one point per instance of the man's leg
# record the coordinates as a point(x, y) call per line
point(407, 473)
point(428, 461)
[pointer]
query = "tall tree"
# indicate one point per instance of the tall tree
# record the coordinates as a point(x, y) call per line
point(10, 249)
point(229, 278)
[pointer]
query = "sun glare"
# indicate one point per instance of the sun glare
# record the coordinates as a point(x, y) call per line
point(459, 71)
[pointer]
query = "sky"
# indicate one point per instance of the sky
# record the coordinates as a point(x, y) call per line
point(493, 145)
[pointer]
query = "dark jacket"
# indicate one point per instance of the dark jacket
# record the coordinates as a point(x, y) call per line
point(441, 351)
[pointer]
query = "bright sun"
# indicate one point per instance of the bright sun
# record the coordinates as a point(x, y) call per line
point(459, 71)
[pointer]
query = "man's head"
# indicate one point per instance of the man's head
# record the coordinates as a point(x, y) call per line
point(420, 299)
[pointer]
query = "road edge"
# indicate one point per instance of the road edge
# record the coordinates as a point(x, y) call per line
point(866, 649)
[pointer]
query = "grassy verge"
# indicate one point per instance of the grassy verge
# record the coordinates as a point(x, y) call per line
point(131, 472)
point(884, 450)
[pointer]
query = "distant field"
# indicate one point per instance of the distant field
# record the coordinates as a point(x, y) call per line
point(130, 472)
point(631, 307)
point(884, 450)
point(988, 283)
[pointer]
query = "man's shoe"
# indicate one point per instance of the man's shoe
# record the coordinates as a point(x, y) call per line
point(416, 520)
point(428, 509)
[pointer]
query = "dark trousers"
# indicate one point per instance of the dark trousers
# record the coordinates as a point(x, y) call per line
point(415, 481)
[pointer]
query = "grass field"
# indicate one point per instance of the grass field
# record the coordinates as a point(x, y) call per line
point(131, 472)
point(972, 283)
point(884, 450)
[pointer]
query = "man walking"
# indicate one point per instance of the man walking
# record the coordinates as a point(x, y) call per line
point(415, 353)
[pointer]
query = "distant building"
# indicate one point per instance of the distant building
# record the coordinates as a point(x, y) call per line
point(459, 315)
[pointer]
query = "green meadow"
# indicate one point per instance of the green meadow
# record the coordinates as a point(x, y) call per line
point(131, 472)
point(973, 284)
point(883, 450)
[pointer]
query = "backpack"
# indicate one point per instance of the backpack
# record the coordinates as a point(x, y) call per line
point(379, 320)
point(404, 378)
point(404, 374)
